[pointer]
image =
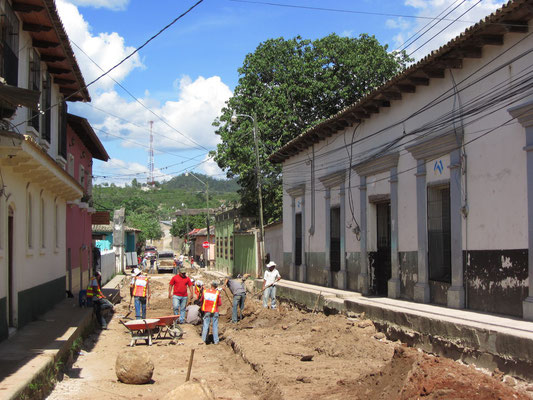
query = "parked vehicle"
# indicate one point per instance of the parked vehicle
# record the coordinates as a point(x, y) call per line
point(165, 261)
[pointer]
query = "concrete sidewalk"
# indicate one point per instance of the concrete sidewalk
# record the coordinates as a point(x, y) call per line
point(34, 349)
point(485, 340)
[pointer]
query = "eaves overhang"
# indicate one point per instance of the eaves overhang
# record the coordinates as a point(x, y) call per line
point(25, 158)
point(40, 19)
point(513, 17)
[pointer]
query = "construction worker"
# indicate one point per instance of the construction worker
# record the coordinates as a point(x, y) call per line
point(198, 290)
point(237, 288)
point(210, 302)
point(270, 279)
point(179, 290)
point(140, 291)
point(98, 299)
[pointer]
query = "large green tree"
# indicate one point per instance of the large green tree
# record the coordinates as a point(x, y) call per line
point(287, 86)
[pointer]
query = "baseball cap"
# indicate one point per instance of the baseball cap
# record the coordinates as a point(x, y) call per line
point(136, 271)
point(271, 264)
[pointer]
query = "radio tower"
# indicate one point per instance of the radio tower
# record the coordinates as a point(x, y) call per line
point(151, 181)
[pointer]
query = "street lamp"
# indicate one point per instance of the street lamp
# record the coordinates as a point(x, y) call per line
point(259, 182)
point(207, 203)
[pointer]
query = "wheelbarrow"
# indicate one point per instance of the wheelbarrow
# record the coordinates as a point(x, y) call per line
point(168, 325)
point(141, 329)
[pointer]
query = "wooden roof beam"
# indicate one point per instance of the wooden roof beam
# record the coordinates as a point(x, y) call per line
point(58, 71)
point(62, 81)
point(51, 58)
point(44, 44)
point(391, 95)
point(418, 81)
point(494, 40)
point(35, 27)
point(370, 109)
point(470, 51)
point(449, 63)
point(515, 26)
point(361, 114)
point(434, 72)
point(26, 7)
point(406, 88)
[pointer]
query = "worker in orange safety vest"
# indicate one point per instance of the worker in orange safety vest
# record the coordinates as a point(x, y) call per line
point(140, 291)
point(98, 299)
point(211, 300)
point(198, 290)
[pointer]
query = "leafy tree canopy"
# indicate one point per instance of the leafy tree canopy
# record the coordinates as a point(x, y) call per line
point(287, 86)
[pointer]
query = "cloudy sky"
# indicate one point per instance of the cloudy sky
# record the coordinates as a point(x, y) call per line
point(182, 79)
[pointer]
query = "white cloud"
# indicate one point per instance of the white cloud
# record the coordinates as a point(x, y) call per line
point(106, 49)
point(111, 4)
point(430, 33)
point(199, 103)
point(211, 168)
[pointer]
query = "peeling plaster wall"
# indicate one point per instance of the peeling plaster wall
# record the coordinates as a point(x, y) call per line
point(408, 273)
point(496, 280)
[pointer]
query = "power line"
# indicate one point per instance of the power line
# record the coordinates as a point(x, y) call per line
point(344, 10)
point(141, 103)
point(122, 61)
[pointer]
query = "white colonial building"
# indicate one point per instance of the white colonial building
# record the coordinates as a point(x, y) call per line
point(423, 190)
point(40, 74)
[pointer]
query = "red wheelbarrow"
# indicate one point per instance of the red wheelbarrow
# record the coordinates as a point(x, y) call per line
point(141, 329)
point(168, 325)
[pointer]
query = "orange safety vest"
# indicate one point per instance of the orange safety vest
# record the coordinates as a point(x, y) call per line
point(197, 291)
point(210, 303)
point(90, 291)
point(139, 289)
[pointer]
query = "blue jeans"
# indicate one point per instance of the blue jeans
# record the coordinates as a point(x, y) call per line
point(99, 305)
point(207, 321)
point(140, 307)
point(269, 293)
point(178, 304)
point(238, 302)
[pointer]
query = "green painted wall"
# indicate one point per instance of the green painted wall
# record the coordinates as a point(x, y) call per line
point(37, 300)
point(3, 319)
point(245, 254)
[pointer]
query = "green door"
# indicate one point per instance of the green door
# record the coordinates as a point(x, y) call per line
point(245, 254)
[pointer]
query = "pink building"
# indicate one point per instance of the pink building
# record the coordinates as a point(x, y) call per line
point(82, 146)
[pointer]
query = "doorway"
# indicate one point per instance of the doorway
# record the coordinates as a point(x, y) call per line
point(383, 254)
point(10, 270)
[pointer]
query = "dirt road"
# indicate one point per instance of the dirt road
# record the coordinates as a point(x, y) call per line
point(260, 358)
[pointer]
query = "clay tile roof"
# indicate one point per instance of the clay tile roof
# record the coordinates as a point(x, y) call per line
point(511, 17)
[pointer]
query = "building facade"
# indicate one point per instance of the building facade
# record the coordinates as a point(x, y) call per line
point(40, 74)
point(423, 190)
point(82, 147)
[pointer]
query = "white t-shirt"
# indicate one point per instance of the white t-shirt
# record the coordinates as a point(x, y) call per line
point(271, 276)
point(181, 257)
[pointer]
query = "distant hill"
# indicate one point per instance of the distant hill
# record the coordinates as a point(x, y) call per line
point(190, 183)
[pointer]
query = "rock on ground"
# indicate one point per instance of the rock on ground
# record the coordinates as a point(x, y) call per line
point(197, 390)
point(134, 367)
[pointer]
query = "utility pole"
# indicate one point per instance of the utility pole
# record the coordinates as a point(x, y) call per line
point(260, 190)
point(151, 157)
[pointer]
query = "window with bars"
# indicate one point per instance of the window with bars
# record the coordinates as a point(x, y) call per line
point(34, 83)
point(298, 239)
point(231, 247)
point(335, 239)
point(226, 247)
point(9, 44)
point(439, 233)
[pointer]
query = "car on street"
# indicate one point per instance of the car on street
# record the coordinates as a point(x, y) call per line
point(165, 262)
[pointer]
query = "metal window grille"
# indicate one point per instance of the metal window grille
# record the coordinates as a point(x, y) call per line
point(62, 142)
point(439, 233)
point(335, 239)
point(298, 239)
point(46, 103)
point(9, 45)
point(34, 83)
